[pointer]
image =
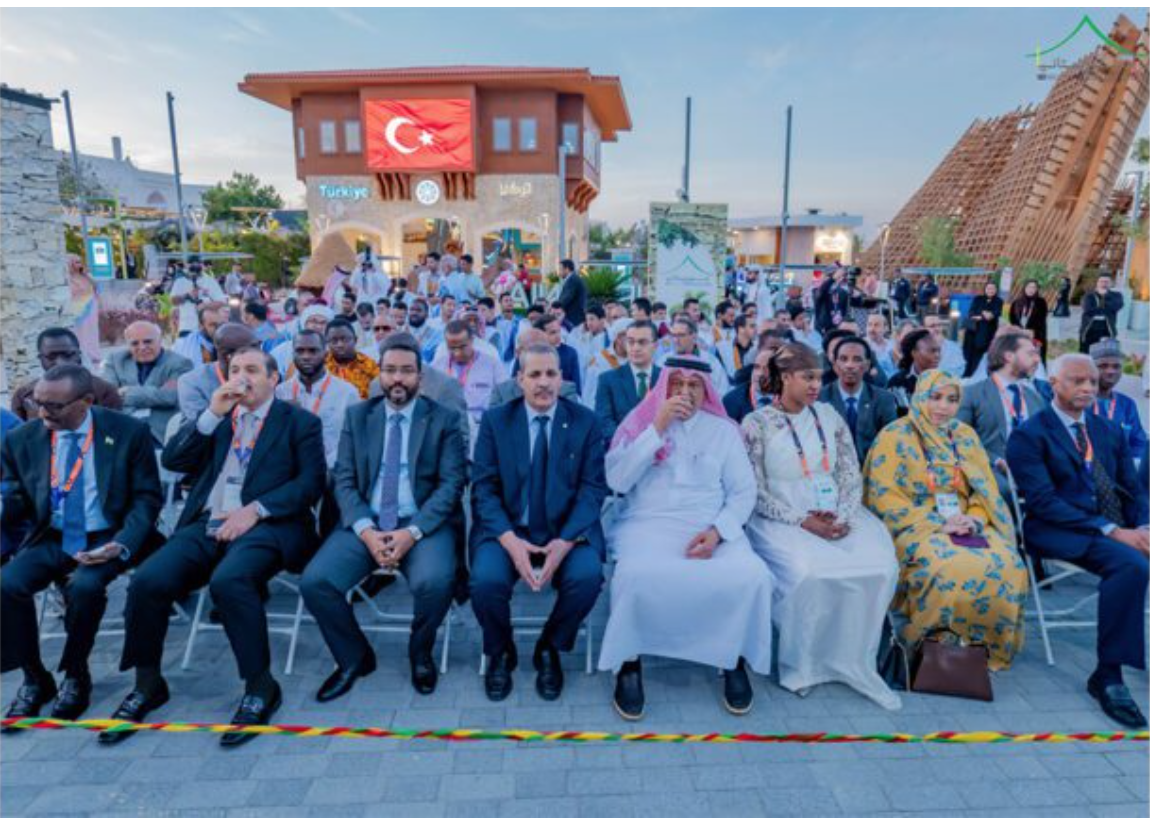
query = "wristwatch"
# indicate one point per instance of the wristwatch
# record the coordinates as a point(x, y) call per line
point(416, 533)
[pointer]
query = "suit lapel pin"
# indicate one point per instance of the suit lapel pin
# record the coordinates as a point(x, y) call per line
point(111, 442)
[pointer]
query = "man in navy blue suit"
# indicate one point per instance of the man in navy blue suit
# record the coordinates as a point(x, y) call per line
point(1084, 505)
point(538, 486)
point(619, 390)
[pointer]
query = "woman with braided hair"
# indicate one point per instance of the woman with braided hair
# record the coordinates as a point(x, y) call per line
point(832, 560)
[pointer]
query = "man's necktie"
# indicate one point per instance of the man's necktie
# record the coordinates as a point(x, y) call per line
point(1105, 496)
point(852, 414)
point(75, 524)
point(1016, 403)
point(537, 497)
point(642, 391)
point(389, 482)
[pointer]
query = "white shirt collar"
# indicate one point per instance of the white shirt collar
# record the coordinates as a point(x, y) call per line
point(82, 430)
point(407, 412)
point(843, 391)
point(260, 412)
point(533, 414)
point(1067, 420)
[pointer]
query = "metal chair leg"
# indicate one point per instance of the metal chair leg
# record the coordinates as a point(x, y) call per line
point(295, 630)
point(195, 628)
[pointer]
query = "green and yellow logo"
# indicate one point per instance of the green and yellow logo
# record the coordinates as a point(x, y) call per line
point(1087, 23)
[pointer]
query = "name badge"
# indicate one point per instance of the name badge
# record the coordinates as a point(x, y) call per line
point(826, 494)
point(232, 494)
point(947, 505)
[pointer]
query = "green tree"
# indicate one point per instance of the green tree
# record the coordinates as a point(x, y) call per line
point(936, 238)
point(71, 186)
point(241, 191)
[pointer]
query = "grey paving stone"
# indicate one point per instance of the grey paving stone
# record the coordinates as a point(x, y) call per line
point(603, 781)
point(1102, 790)
point(805, 802)
point(477, 761)
point(471, 808)
point(540, 784)
point(545, 807)
point(279, 793)
point(222, 794)
point(920, 795)
point(738, 803)
point(861, 798)
point(335, 791)
point(1120, 810)
point(225, 767)
point(65, 799)
point(1044, 793)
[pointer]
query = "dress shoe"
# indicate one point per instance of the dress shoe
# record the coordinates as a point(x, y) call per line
point(30, 699)
point(498, 680)
point(340, 681)
point(629, 700)
point(1117, 703)
point(549, 680)
point(134, 709)
point(253, 711)
point(424, 675)
point(738, 696)
point(73, 699)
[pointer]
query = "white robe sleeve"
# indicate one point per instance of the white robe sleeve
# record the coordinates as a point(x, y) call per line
point(628, 462)
point(739, 492)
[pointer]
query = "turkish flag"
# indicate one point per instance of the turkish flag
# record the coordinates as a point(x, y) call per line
point(419, 135)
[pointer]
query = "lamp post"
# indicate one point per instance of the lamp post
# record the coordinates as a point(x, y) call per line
point(176, 175)
point(786, 203)
point(81, 205)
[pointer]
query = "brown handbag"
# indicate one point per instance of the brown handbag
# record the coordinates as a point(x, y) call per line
point(943, 664)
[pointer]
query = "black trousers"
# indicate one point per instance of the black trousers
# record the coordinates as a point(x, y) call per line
point(237, 573)
point(343, 561)
point(33, 569)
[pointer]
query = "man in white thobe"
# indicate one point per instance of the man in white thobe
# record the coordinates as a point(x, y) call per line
point(687, 583)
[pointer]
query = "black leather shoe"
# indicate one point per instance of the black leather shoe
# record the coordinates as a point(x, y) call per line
point(424, 675)
point(30, 699)
point(498, 680)
point(340, 681)
point(549, 680)
point(134, 709)
point(1117, 703)
point(738, 696)
point(253, 711)
point(629, 699)
point(73, 699)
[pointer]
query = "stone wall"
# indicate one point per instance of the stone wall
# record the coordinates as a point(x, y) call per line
point(34, 291)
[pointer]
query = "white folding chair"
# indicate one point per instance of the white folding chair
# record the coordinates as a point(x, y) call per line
point(279, 623)
point(1064, 618)
point(394, 623)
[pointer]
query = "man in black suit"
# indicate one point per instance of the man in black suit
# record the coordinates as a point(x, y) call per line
point(537, 497)
point(619, 390)
point(257, 466)
point(748, 391)
point(572, 295)
point(399, 481)
point(568, 359)
point(84, 478)
point(865, 408)
point(1085, 505)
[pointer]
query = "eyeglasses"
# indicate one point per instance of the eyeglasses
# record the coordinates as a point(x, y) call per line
point(54, 408)
point(383, 328)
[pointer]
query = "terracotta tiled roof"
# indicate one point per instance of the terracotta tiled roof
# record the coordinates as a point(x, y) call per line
point(603, 93)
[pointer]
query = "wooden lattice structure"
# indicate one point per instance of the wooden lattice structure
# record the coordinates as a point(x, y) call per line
point(1034, 185)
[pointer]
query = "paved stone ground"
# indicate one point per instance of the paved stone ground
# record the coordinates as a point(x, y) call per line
point(67, 773)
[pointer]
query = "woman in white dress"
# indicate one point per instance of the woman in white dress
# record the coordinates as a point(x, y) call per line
point(833, 561)
point(687, 584)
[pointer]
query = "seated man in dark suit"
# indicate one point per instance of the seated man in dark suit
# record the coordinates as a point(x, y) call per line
point(85, 481)
point(399, 482)
point(1084, 505)
point(56, 346)
point(568, 359)
point(257, 467)
point(749, 387)
point(619, 390)
point(866, 408)
point(537, 496)
point(510, 389)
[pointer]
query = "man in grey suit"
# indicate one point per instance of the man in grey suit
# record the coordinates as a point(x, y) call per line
point(866, 408)
point(510, 389)
point(145, 375)
point(998, 404)
point(399, 483)
point(196, 387)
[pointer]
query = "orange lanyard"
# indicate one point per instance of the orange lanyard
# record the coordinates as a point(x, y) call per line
point(319, 399)
point(57, 491)
point(244, 454)
point(1009, 401)
point(826, 460)
point(1112, 405)
point(931, 484)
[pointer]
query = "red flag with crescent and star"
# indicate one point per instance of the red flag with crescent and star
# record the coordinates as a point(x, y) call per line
point(419, 135)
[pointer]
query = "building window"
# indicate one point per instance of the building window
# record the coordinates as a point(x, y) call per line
point(351, 137)
point(327, 137)
point(528, 136)
point(591, 146)
point(299, 141)
point(501, 134)
point(571, 137)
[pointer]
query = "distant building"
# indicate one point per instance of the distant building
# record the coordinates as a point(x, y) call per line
point(813, 238)
point(135, 188)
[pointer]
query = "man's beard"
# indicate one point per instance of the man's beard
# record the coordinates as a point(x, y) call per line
point(399, 394)
point(411, 321)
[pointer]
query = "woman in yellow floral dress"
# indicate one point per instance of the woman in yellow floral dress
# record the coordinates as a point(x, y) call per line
point(929, 480)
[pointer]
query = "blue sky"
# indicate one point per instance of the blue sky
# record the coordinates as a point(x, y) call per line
point(879, 96)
